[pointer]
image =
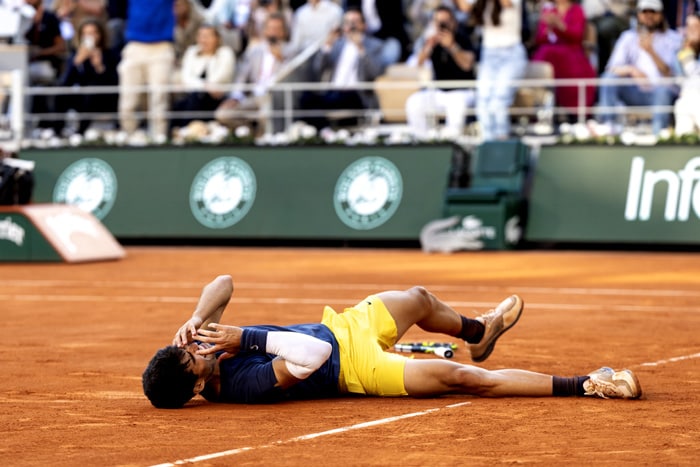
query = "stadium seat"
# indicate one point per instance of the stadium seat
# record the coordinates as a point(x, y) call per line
point(496, 169)
point(392, 99)
point(493, 204)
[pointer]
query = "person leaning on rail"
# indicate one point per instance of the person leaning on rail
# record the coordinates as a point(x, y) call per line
point(346, 353)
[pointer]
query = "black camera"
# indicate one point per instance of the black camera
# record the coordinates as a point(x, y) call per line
point(444, 26)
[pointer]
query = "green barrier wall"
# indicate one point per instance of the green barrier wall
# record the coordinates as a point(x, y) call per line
point(21, 241)
point(616, 194)
point(250, 192)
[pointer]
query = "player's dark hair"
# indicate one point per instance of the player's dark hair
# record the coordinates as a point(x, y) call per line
point(166, 381)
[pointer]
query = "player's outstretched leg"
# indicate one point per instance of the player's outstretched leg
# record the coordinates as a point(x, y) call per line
point(496, 322)
point(434, 377)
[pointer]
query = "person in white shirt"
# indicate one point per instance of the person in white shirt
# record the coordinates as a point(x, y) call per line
point(503, 60)
point(646, 54)
point(205, 67)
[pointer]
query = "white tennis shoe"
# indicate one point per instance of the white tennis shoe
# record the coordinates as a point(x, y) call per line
point(608, 383)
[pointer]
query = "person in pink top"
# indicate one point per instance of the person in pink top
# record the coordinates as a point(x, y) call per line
point(559, 41)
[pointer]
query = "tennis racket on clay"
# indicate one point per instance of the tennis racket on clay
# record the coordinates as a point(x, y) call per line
point(441, 349)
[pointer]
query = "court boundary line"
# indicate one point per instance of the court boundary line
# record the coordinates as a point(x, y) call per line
point(333, 431)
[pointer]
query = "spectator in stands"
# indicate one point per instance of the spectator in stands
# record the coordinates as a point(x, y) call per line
point(349, 57)
point(687, 107)
point(420, 14)
point(147, 59)
point(386, 20)
point(559, 41)
point(47, 48)
point(261, 9)
point(188, 20)
point(646, 54)
point(610, 18)
point(313, 22)
point(450, 52)
point(260, 64)
point(206, 65)
point(501, 43)
point(71, 14)
point(92, 64)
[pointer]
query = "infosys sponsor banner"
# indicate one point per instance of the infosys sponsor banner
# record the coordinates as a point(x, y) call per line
point(616, 194)
point(250, 192)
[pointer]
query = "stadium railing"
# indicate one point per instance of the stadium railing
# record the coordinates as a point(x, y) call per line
point(16, 116)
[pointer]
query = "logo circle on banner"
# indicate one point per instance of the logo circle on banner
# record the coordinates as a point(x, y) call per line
point(90, 184)
point(222, 192)
point(368, 193)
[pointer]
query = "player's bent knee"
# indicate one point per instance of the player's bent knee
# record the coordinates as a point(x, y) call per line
point(421, 295)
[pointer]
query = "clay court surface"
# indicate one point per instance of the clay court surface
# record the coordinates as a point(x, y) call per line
point(77, 337)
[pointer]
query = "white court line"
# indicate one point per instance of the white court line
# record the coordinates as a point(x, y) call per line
point(672, 360)
point(334, 431)
point(325, 301)
point(357, 286)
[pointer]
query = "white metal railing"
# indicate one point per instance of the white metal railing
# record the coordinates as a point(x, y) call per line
point(21, 119)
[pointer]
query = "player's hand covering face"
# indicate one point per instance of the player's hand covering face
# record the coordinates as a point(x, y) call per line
point(187, 332)
point(223, 338)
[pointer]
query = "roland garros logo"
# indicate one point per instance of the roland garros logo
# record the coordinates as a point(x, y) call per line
point(368, 193)
point(90, 184)
point(222, 192)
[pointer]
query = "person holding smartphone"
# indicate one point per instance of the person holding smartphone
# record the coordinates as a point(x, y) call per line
point(448, 50)
point(92, 64)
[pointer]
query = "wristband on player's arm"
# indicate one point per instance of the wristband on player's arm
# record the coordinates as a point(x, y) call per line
point(254, 340)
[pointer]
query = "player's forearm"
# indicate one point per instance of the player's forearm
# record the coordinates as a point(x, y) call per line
point(213, 300)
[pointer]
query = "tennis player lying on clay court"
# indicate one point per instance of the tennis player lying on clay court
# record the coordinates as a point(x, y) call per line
point(346, 353)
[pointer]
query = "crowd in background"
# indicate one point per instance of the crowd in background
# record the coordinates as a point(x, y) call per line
point(227, 54)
